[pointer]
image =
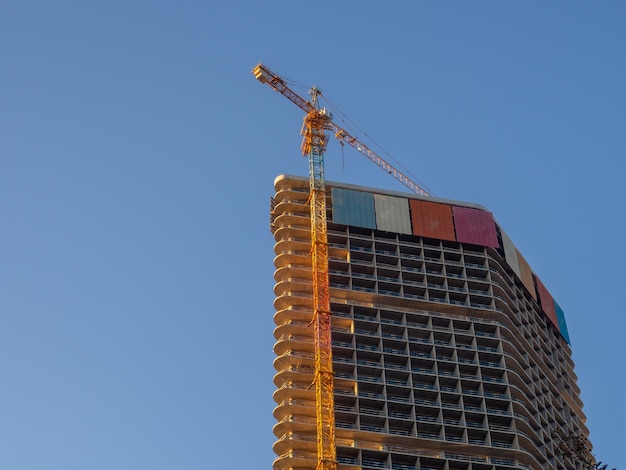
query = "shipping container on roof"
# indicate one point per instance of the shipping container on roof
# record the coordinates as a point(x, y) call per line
point(432, 220)
point(526, 275)
point(547, 302)
point(475, 226)
point(392, 214)
point(562, 325)
point(354, 208)
point(510, 253)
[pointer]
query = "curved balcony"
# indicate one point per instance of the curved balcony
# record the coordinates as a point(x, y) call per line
point(290, 391)
point(293, 287)
point(297, 271)
point(295, 424)
point(303, 443)
point(294, 313)
point(295, 459)
point(294, 327)
point(293, 344)
point(292, 406)
point(296, 299)
point(294, 374)
point(293, 258)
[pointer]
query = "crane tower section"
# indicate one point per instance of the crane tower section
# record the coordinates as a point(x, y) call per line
point(316, 122)
point(314, 145)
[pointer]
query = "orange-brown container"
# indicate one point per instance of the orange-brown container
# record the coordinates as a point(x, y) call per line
point(526, 275)
point(432, 220)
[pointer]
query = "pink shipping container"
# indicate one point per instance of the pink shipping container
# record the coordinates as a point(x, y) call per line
point(547, 302)
point(475, 226)
point(432, 220)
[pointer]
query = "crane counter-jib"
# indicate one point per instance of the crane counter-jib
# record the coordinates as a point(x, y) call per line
point(265, 75)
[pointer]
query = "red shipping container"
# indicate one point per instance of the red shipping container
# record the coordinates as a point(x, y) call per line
point(432, 220)
point(547, 302)
point(475, 226)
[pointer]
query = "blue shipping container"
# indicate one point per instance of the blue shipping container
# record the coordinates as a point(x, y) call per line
point(354, 208)
point(562, 325)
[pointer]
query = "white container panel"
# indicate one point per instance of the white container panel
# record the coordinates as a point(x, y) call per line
point(392, 214)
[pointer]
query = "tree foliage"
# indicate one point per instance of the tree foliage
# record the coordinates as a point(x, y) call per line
point(578, 449)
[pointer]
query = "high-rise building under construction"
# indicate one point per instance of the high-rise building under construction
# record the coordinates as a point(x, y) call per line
point(449, 353)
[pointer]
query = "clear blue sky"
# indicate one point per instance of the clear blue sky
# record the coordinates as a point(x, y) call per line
point(137, 157)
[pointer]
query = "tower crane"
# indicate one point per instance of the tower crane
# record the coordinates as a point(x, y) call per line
point(317, 122)
point(265, 75)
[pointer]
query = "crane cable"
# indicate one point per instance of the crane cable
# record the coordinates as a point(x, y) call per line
point(345, 119)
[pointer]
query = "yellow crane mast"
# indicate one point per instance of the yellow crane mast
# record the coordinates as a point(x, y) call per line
point(317, 122)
